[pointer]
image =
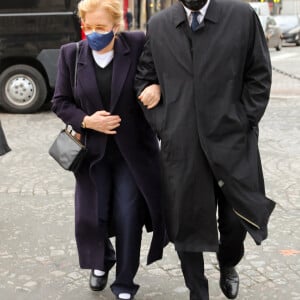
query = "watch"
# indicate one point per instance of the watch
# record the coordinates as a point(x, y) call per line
point(83, 125)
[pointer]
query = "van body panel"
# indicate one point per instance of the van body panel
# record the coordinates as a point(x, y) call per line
point(48, 58)
point(32, 6)
point(32, 32)
point(29, 34)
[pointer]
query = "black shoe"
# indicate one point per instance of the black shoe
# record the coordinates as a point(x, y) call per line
point(229, 282)
point(98, 283)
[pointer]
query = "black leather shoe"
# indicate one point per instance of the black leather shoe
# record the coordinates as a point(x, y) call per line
point(229, 282)
point(98, 283)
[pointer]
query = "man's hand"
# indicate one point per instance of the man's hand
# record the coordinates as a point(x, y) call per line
point(102, 121)
point(150, 96)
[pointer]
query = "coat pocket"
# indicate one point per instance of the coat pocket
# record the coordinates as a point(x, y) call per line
point(242, 115)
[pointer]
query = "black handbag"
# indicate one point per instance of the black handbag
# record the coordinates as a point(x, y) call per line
point(66, 149)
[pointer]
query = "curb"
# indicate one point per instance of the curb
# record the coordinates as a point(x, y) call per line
point(285, 97)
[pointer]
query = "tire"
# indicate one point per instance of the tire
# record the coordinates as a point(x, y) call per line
point(23, 89)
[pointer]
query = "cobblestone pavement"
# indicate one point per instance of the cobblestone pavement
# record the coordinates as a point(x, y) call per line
point(38, 258)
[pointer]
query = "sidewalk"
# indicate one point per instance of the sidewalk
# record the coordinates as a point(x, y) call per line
point(38, 258)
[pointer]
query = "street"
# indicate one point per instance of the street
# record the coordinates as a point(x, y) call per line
point(38, 256)
point(288, 62)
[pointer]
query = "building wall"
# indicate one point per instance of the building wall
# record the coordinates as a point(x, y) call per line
point(142, 10)
point(290, 7)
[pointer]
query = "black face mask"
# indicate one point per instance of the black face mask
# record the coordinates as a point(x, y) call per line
point(194, 4)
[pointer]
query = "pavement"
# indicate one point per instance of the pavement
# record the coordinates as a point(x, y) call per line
point(38, 257)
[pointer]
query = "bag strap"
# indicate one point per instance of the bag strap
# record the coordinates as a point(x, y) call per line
point(75, 85)
point(76, 65)
point(75, 74)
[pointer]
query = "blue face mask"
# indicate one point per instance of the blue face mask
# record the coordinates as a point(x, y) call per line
point(98, 41)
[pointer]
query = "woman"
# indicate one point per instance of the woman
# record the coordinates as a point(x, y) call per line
point(118, 185)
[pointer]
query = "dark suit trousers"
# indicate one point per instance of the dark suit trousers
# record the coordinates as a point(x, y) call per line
point(121, 204)
point(231, 250)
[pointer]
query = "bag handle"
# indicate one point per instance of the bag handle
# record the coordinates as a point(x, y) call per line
point(75, 85)
point(69, 129)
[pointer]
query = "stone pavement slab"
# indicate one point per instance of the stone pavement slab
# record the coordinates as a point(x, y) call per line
point(38, 258)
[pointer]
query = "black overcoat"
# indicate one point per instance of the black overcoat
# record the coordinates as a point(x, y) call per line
point(215, 87)
point(135, 139)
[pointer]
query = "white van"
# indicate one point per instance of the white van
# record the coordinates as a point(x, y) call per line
point(261, 8)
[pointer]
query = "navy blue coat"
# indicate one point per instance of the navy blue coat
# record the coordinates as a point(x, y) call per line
point(135, 139)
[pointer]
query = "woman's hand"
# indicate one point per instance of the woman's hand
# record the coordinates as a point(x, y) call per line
point(102, 121)
point(150, 96)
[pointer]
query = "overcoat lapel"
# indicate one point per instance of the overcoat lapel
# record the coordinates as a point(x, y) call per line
point(86, 78)
point(183, 53)
point(122, 62)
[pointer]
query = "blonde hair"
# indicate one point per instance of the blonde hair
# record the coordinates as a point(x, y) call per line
point(113, 7)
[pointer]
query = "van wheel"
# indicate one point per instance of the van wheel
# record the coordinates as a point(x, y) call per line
point(23, 89)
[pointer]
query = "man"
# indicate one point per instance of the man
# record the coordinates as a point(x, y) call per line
point(129, 19)
point(212, 63)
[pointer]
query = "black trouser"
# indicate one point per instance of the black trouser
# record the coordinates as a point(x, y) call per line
point(231, 250)
point(126, 210)
point(192, 266)
point(232, 233)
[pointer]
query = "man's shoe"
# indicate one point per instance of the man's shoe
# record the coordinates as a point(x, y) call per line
point(98, 283)
point(229, 282)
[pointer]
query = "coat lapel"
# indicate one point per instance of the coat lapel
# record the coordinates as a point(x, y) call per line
point(183, 53)
point(86, 79)
point(213, 12)
point(122, 62)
